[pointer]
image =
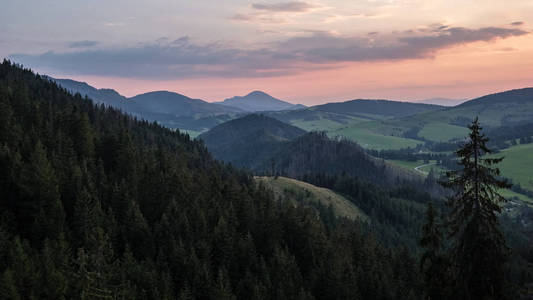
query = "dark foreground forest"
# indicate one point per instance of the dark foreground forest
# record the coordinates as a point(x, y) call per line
point(97, 205)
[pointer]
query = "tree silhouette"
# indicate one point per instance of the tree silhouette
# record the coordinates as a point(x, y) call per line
point(478, 249)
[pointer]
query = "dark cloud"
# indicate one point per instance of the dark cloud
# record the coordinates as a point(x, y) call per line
point(518, 23)
point(295, 6)
point(163, 59)
point(182, 58)
point(324, 47)
point(83, 44)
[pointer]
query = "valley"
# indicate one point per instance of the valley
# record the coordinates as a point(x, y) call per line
point(266, 149)
point(376, 125)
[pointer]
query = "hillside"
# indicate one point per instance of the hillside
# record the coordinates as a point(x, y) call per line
point(176, 104)
point(104, 96)
point(97, 204)
point(380, 108)
point(302, 193)
point(501, 109)
point(266, 146)
point(334, 116)
point(259, 101)
point(518, 164)
point(248, 141)
point(315, 153)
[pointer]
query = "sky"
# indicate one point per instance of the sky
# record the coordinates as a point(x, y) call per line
point(307, 52)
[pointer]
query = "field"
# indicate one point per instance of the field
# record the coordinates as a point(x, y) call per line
point(518, 164)
point(406, 164)
point(325, 124)
point(299, 191)
point(411, 165)
point(434, 126)
point(442, 132)
point(371, 140)
point(509, 169)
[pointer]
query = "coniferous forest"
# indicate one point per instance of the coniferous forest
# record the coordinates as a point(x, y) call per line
point(96, 204)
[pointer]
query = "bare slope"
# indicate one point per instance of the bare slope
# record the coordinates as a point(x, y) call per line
point(307, 194)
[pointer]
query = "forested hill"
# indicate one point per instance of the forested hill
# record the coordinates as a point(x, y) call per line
point(316, 153)
point(377, 107)
point(250, 140)
point(268, 146)
point(97, 205)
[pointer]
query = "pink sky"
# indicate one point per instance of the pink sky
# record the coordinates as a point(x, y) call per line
point(313, 51)
point(461, 72)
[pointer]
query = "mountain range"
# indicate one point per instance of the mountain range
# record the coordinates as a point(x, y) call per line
point(374, 124)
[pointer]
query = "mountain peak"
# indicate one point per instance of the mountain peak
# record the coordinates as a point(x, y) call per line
point(257, 101)
point(258, 94)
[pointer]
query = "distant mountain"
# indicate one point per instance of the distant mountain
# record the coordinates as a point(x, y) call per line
point(513, 97)
point(387, 108)
point(163, 102)
point(170, 109)
point(337, 115)
point(259, 101)
point(248, 141)
point(509, 108)
point(500, 109)
point(443, 101)
point(105, 96)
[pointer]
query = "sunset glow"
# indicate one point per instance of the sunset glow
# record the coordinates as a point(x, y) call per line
point(302, 52)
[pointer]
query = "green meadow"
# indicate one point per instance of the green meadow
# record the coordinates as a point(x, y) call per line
point(518, 164)
point(376, 141)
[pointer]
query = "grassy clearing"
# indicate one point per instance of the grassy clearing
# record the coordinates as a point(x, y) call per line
point(442, 132)
point(326, 124)
point(436, 168)
point(371, 140)
point(406, 164)
point(411, 165)
point(518, 164)
point(299, 191)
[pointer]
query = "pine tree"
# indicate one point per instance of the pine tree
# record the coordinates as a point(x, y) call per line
point(478, 246)
point(433, 264)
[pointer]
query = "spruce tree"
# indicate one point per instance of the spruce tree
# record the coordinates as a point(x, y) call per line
point(478, 248)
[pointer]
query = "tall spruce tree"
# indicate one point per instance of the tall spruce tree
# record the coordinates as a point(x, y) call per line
point(478, 248)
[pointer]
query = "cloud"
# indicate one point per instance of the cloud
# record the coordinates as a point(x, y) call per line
point(180, 58)
point(295, 6)
point(325, 47)
point(183, 58)
point(517, 23)
point(83, 44)
point(242, 17)
point(276, 13)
